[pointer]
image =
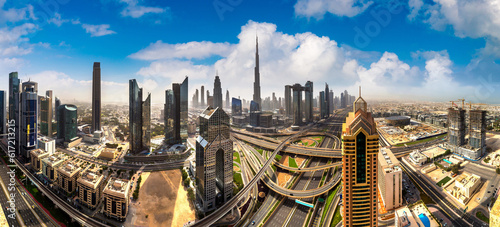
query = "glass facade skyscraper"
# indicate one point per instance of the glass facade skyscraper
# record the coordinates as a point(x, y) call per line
point(308, 93)
point(217, 93)
point(46, 114)
point(214, 159)
point(67, 125)
point(139, 119)
point(96, 97)
point(184, 109)
point(236, 107)
point(172, 115)
point(28, 118)
point(3, 112)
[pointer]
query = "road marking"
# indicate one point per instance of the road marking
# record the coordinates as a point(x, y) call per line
point(31, 208)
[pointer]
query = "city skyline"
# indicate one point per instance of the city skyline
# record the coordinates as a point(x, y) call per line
point(324, 37)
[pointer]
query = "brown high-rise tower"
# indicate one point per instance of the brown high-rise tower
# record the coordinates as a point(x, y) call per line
point(360, 148)
point(96, 97)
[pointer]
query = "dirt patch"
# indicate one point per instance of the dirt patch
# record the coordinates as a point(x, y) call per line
point(158, 194)
point(299, 161)
point(284, 160)
point(236, 168)
point(283, 178)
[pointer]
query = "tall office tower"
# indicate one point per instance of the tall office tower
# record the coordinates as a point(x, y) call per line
point(46, 114)
point(173, 115)
point(280, 104)
point(390, 177)
point(146, 122)
point(346, 97)
point(308, 94)
point(256, 83)
point(327, 101)
point(195, 99)
point(214, 159)
point(297, 102)
point(360, 148)
point(184, 109)
point(456, 127)
point(236, 107)
point(342, 100)
point(227, 99)
point(139, 119)
point(14, 90)
point(57, 104)
point(3, 112)
point(288, 100)
point(202, 101)
point(96, 97)
point(322, 105)
point(28, 115)
point(254, 114)
point(331, 105)
point(274, 102)
point(477, 130)
point(217, 93)
point(67, 125)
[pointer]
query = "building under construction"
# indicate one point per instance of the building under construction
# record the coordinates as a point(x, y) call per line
point(476, 145)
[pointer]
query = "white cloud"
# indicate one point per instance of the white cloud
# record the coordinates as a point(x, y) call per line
point(134, 10)
point(415, 6)
point(57, 20)
point(318, 8)
point(13, 41)
point(196, 50)
point(97, 30)
point(288, 59)
point(16, 15)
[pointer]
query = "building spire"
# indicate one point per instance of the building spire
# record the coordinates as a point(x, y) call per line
point(359, 91)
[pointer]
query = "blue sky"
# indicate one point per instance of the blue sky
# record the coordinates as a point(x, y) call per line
point(435, 50)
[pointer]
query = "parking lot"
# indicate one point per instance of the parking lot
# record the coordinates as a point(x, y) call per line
point(410, 192)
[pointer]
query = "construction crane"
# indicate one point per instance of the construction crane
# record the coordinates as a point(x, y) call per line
point(476, 104)
point(463, 103)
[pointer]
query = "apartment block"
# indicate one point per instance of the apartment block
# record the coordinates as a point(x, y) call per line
point(390, 178)
point(90, 186)
point(67, 174)
point(116, 198)
point(36, 158)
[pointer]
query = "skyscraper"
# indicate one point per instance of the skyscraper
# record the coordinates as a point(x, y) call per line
point(139, 119)
point(46, 114)
point(57, 104)
point(173, 115)
point(308, 93)
point(236, 107)
point(297, 102)
point(327, 101)
point(322, 104)
point(331, 104)
point(14, 89)
point(227, 99)
point(256, 83)
point(288, 100)
point(456, 127)
point(184, 109)
point(96, 97)
point(28, 115)
point(195, 99)
point(217, 93)
point(3, 112)
point(202, 101)
point(342, 100)
point(214, 158)
point(360, 148)
point(67, 125)
point(477, 130)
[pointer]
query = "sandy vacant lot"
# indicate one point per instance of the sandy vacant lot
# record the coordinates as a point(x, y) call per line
point(163, 199)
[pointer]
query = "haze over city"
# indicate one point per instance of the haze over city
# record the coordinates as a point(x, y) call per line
point(412, 50)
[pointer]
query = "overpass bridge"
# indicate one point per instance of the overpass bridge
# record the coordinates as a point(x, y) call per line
point(307, 169)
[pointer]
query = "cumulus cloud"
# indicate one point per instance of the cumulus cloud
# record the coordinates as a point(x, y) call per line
point(16, 15)
point(318, 8)
point(13, 41)
point(98, 30)
point(134, 10)
point(190, 50)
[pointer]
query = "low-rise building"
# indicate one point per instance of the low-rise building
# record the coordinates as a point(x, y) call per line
point(417, 158)
point(90, 186)
point(404, 218)
point(36, 158)
point(390, 179)
point(465, 186)
point(67, 174)
point(50, 165)
point(116, 198)
point(47, 144)
point(108, 153)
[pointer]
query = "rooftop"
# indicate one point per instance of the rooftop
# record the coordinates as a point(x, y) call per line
point(388, 161)
point(117, 187)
